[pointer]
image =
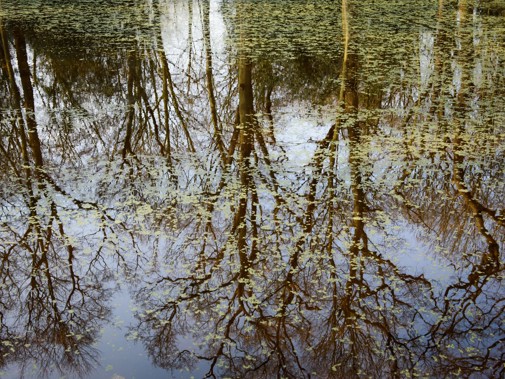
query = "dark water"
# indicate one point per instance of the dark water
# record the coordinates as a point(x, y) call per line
point(252, 189)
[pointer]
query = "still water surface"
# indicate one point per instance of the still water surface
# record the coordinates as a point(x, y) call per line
point(252, 189)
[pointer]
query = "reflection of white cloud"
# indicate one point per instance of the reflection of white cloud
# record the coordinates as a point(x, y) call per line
point(177, 20)
point(416, 257)
point(174, 18)
point(298, 129)
point(426, 64)
point(456, 79)
point(477, 74)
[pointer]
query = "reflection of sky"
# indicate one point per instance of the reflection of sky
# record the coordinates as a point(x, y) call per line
point(298, 129)
point(175, 27)
point(121, 357)
point(416, 257)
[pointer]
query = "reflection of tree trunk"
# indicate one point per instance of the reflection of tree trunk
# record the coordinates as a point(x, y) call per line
point(16, 100)
point(130, 104)
point(246, 113)
point(245, 140)
point(2, 55)
point(266, 88)
point(190, 41)
point(29, 104)
point(332, 146)
point(246, 108)
point(168, 147)
point(349, 101)
point(210, 82)
point(351, 104)
point(268, 110)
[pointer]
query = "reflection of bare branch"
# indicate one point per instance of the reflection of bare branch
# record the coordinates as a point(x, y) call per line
point(177, 108)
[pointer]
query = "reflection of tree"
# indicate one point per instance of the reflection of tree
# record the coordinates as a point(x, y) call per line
point(463, 210)
point(272, 269)
point(256, 292)
point(284, 292)
point(54, 300)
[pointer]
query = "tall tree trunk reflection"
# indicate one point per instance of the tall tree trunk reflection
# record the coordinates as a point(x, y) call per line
point(166, 119)
point(218, 137)
point(246, 141)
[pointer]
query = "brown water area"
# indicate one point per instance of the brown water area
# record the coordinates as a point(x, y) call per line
point(252, 189)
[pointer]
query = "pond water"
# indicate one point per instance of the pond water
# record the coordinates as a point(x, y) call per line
point(252, 189)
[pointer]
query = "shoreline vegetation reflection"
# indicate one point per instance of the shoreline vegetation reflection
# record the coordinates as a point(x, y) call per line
point(286, 189)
